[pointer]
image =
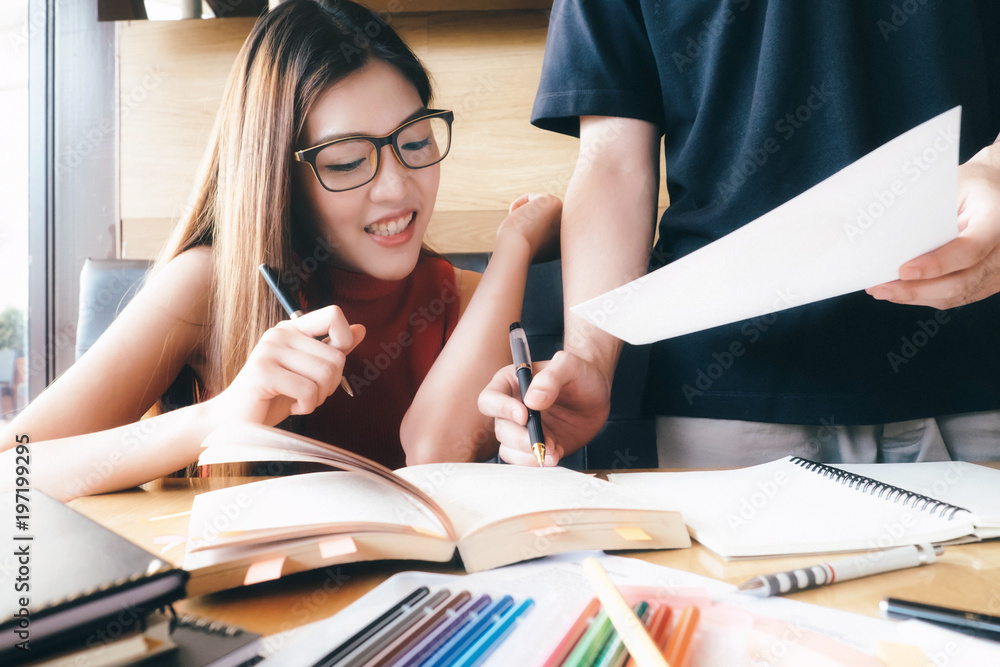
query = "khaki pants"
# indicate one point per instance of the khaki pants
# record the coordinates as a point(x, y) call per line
point(690, 442)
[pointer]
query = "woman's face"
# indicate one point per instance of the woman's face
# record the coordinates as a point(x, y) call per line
point(377, 228)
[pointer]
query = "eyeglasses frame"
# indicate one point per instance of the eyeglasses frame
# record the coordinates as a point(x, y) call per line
point(308, 155)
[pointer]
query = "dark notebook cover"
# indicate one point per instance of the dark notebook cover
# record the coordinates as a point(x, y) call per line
point(68, 581)
point(202, 643)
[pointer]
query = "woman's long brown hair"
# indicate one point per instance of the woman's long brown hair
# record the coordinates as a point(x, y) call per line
point(243, 203)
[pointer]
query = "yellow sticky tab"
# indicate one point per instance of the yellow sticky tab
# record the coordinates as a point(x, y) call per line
point(548, 530)
point(339, 546)
point(264, 570)
point(901, 655)
point(633, 534)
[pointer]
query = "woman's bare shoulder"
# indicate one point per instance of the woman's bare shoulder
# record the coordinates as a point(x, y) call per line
point(182, 287)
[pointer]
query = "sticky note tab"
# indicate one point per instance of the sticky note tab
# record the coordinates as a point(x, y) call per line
point(548, 530)
point(901, 655)
point(339, 546)
point(264, 570)
point(633, 534)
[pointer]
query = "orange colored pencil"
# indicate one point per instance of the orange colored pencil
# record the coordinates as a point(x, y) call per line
point(679, 644)
point(573, 635)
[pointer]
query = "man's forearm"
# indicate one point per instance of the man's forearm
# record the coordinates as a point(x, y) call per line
point(608, 221)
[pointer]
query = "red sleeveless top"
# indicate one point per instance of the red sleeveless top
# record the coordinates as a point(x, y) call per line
point(407, 323)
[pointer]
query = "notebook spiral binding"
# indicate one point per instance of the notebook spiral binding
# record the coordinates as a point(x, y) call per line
point(888, 491)
point(201, 624)
point(210, 627)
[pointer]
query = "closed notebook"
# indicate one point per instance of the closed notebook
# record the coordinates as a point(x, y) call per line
point(204, 643)
point(490, 514)
point(68, 580)
point(794, 506)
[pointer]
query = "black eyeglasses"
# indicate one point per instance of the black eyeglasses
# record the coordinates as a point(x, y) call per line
point(348, 163)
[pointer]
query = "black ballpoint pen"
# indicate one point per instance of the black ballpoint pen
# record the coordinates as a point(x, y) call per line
point(522, 365)
point(292, 309)
point(973, 623)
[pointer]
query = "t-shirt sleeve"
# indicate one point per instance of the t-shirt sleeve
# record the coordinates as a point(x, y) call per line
point(598, 62)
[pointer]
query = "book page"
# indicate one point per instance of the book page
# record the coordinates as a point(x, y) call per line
point(475, 495)
point(781, 508)
point(314, 499)
point(242, 441)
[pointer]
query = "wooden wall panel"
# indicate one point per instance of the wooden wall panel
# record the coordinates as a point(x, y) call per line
point(485, 65)
point(163, 137)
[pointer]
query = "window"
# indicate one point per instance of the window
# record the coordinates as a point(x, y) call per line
point(14, 33)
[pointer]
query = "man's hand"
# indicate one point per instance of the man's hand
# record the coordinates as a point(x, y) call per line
point(572, 395)
point(966, 269)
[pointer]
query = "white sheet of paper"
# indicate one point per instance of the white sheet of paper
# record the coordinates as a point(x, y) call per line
point(559, 589)
point(849, 232)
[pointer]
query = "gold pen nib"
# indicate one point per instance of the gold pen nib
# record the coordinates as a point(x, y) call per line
point(347, 386)
point(539, 449)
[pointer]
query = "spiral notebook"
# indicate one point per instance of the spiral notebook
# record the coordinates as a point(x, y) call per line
point(795, 506)
point(66, 579)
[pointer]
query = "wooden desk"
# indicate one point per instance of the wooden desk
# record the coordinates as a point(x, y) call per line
point(966, 576)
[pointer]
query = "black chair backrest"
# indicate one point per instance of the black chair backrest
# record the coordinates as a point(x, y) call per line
point(106, 286)
point(628, 440)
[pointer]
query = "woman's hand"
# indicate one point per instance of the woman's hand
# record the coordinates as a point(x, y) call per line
point(289, 371)
point(533, 220)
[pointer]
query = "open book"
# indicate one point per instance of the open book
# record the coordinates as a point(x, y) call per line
point(491, 514)
point(794, 506)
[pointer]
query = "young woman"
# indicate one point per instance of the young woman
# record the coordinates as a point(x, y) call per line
point(324, 164)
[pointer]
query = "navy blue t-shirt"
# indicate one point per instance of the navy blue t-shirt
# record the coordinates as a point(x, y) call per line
point(757, 102)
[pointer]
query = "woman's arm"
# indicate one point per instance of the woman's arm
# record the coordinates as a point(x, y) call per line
point(84, 430)
point(607, 233)
point(444, 423)
point(134, 360)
